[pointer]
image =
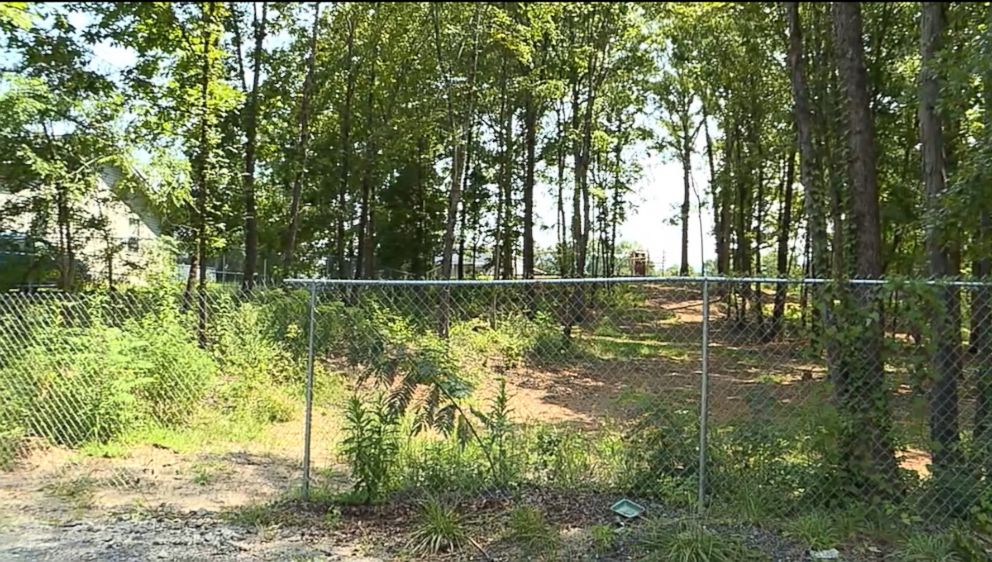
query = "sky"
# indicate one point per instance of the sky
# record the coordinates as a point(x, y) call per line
point(655, 200)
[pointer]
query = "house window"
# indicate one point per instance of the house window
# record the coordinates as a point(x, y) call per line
point(134, 221)
point(132, 244)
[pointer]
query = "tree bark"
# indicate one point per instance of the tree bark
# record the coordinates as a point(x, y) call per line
point(946, 358)
point(564, 260)
point(714, 196)
point(981, 336)
point(784, 230)
point(685, 155)
point(251, 133)
point(868, 452)
point(202, 160)
point(301, 149)
point(364, 258)
point(456, 130)
point(530, 143)
point(816, 223)
point(346, 148)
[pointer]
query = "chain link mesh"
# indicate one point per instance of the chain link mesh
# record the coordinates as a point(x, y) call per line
point(113, 399)
point(863, 395)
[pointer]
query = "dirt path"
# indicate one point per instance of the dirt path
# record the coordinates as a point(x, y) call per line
point(194, 537)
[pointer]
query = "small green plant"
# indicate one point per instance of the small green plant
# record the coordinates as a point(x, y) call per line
point(929, 548)
point(10, 445)
point(332, 517)
point(257, 515)
point(438, 529)
point(561, 457)
point(78, 491)
point(602, 537)
point(371, 444)
point(442, 466)
point(499, 432)
point(817, 530)
point(689, 541)
point(207, 473)
point(529, 529)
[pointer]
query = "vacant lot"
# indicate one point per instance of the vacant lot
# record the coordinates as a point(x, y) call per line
point(609, 411)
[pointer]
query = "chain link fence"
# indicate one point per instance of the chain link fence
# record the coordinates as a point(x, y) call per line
point(749, 399)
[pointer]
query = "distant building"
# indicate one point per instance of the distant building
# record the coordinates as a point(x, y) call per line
point(128, 226)
point(639, 263)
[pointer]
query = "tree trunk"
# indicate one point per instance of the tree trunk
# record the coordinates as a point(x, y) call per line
point(685, 155)
point(201, 173)
point(251, 133)
point(713, 190)
point(349, 94)
point(816, 223)
point(724, 207)
point(530, 143)
point(301, 149)
point(981, 338)
point(457, 138)
point(507, 192)
point(867, 448)
point(564, 260)
point(63, 218)
point(759, 305)
point(946, 324)
point(365, 204)
point(982, 302)
point(784, 230)
point(463, 221)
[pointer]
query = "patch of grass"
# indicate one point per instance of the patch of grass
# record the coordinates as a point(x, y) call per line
point(531, 531)
point(610, 347)
point(602, 537)
point(209, 472)
point(663, 540)
point(10, 445)
point(256, 515)
point(438, 529)
point(115, 449)
point(78, 491)
point(817, 530)
point(929, 548)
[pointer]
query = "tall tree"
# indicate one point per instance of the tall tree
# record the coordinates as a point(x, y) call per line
point(946, 324)
point(301, 148)
point(869, 455)
point(251, 140)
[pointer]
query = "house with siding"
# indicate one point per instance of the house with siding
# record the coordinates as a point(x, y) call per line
point(114, 228)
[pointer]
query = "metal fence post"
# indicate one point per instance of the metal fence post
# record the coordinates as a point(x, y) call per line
point(704, 395)
point(308, 417)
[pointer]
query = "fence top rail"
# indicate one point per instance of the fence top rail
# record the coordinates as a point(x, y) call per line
point(700, 280)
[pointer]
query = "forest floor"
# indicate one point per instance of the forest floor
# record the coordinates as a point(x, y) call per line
point(176, 500)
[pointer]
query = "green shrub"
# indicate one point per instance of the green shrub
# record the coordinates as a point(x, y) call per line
point(818, 531)
point(667, 541)
point(438, 529)
point(259, 375)
point(929, 548)
point(370, 445)
point(246, 348)
point(98, 382)
point(497, 441)
point(603, 538)
point(560, 457)
point(442, 466)
point(529, 529)
point(10, 443)
point(662, 447)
